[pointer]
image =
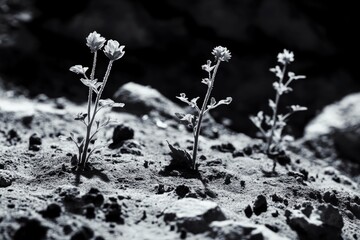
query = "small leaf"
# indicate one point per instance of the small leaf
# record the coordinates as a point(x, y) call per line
point(80, 116)
point(105, 102)
point(194, 102)
point(226, 101)
point(118, 105)
point(207, 67)
point(79, 69)
point(206, 81)
point(179, 115)
point(297, 108)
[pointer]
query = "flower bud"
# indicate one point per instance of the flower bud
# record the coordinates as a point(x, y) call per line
point(113, 50)
point(221, 54)
point(95, 41)
point(285, 57)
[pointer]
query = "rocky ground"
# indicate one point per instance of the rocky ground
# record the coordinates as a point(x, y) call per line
point(128, 192)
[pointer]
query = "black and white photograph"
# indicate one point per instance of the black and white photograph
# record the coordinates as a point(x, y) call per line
point(179, 119)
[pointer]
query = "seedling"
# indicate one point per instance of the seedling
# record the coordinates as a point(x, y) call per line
point(114, 51)
point(193, 121)
point(272, 127)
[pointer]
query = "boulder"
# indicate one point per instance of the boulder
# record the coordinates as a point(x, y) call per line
point(193, 215)
point(340, 123)
point(141, 100)
point(325, 223)
point(6, 178)
point(231, 230)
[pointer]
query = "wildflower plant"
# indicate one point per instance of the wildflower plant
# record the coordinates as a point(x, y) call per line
point(113, 51)
point(271, 127)
point(193, 121)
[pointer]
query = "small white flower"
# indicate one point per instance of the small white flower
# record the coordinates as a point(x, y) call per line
point(95, 41)
point(285, 57)
point(113, 50)
point(277, 72)
point(221, 54)
point(79, 69)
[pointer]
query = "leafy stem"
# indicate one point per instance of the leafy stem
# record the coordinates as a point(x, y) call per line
point(201, 114)
point(275, 112)
point(88, 136)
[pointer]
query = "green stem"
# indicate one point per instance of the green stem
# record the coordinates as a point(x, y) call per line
point(201, 114)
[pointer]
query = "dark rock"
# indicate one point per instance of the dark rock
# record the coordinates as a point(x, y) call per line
point(6, 178)
point(27, 120)
point(248, 211)
point(141, 100)
point(53, 210)
point(69, 194)
point(84, 233)
point(283, 159)
point(238, 153)
point(272, 227)
point(113, 213)
point(89, 211)
point(67, 229)
point(93, 196)
point(193, 215)
point(275, 214)
point(13, 136)
point(260, 205)
point(305, 173)
point(276, 198)
point(224, 147)
point(122, 133)
point(248, 151)
point(202, 157)
point(182, 190)
point(31, 229)
point(227, 180)
point(330, 197)
point(183, 234)
point(328, 227)
point(34, 148)
point(34, 139)
point(355, 209)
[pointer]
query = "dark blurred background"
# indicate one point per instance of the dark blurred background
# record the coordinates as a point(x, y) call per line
point(167, 41)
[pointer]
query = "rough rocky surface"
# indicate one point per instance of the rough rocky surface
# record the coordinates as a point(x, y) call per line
point(193, 215)
point(124, 194)
point(231, 230)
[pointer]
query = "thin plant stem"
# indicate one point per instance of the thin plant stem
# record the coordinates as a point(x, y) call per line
point(92, 77)
point(96, 104)
point(201, 114)
point(274, 117)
